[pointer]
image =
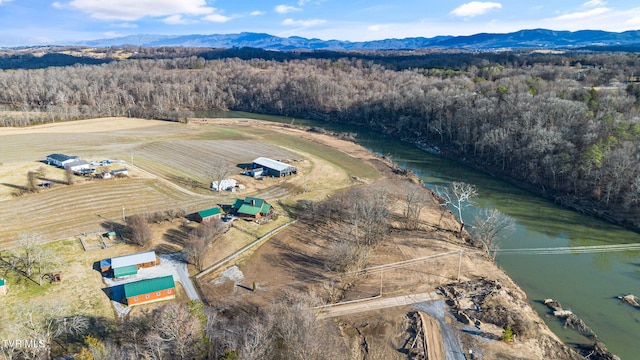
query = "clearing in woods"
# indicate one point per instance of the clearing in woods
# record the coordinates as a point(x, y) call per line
point(159, 155)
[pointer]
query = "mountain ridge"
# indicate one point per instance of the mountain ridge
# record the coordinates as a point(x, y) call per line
point(531, 38)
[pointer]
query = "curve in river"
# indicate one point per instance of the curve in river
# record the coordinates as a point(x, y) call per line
point(587, 282)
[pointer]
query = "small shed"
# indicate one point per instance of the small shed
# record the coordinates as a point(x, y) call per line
point(150, 290)
point(208, 215)
point(120, 172)
point(3, 287)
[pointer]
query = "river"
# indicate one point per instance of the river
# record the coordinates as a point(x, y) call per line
point(586, 283)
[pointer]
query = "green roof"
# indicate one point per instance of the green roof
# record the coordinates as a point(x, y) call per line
point(248, 210)
point(142, 287)
point(209, 212)
point(125, 271)
point(251, 206)
point(1, 282)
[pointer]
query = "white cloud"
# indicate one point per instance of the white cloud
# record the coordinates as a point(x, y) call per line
point(302, 2)
point(475, 8)
point(125, 26)
point(594, 3)
point(377, 27)
point(54, 4)
point(303, 23)
point(4, 1)
point(284, 9)
point(128, 10)
point(218, 18)
point(583, 14)
point(257, 13)
point(175, 20)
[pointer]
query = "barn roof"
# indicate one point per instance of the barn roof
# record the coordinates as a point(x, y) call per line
point(147, 286)
point(271, 164)
point(1, 282)
point(133, 259)
point(61, 157)
point(209, 212)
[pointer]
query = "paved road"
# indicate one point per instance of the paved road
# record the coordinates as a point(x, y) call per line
point(375, 304)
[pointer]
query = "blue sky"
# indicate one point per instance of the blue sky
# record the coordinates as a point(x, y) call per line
point(32, 22)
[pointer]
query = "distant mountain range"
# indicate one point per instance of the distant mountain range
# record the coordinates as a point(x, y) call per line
point(537, 38)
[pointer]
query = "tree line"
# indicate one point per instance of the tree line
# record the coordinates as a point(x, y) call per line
point(566, 126)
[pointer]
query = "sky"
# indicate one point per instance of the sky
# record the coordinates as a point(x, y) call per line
point(38, 22)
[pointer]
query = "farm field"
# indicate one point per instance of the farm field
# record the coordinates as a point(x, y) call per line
point(168, 158)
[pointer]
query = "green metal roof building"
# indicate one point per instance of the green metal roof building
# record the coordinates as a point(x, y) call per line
point(125, 271)
point(149, 290)
point(251, 207)
point(205, 215)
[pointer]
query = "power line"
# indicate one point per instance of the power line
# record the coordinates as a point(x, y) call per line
point(570, 250)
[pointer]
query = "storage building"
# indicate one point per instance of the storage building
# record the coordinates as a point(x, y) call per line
point(129, 264)
point(208, 215)
point(273, 167)
point(149, 290)
point(60, 160)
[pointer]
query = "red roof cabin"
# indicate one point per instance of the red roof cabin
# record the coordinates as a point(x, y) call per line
point(150, 290)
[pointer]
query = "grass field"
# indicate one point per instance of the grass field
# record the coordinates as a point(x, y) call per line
point(169, 154)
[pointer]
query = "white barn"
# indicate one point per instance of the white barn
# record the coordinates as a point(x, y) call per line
point(273, 167)
point(60, 160)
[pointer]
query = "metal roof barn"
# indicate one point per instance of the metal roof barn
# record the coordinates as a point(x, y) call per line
point(274, 167)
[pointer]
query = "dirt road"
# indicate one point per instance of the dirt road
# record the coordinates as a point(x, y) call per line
point(375, 304)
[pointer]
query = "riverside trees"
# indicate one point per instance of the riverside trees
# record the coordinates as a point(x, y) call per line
point(565, 125)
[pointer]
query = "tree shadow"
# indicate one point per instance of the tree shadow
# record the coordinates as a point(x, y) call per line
point(14, 186)
point(177, 236)
point(163, 249)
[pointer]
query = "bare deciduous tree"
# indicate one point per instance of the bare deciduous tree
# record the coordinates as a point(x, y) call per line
point(218, 171)
point(195, 250)
point(416, 198)
point(69, 176)
point(137, 230)
point(459, 195)
point(490, 226)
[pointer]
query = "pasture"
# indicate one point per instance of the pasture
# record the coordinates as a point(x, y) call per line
point(166, 156)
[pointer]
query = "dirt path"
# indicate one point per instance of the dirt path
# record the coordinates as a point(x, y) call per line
point(375, 304)
point(432, 336)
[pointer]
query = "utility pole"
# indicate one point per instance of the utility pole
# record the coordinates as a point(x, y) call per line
point(459, 263)
point(123, 217)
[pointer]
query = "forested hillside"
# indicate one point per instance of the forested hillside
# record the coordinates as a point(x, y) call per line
point(566, 126)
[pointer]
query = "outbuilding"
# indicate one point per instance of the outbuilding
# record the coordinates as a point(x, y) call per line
point(129, 264)
point(79, 166)
point(150, 290)
point(208, 215)
point(272, 167)
point(3, 287)
point(60, 160)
